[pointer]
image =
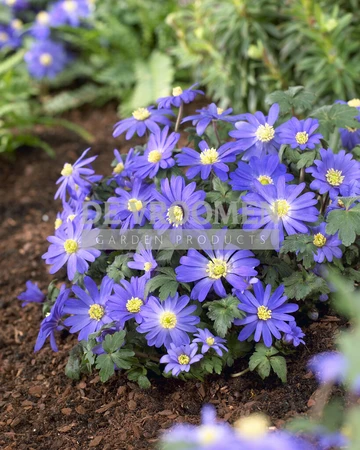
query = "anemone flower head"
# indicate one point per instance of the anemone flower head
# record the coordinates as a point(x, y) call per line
point(131, 207)
point(300, 133)
point(208, 160)
point(350, 137)
point(215, 267)
point(89, 312)
point(329, 367)
point(41, 27)
point(46, 59)
point(179, 205)
point(143, 260)
point(295, 336)
point(69, 12)
point(278, 207)
point(123, 166)
point(158, 154)
point(209, 341)
point(210, 113)
point(143, 119)
point(179, 359)
point(256, 135)
point(72, 245)
point(128, 300)
point(178, 97)
point(52, 321)
point(169, 321)
point(266, 314)
point(266, 170)
point(9, 37)
point(32, 294)
point(334, 172)
point(327, 245)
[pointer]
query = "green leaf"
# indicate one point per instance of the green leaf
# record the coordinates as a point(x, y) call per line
point(223, 312)
point(122, 358)
point(113, 342)
point(12, 61)
point(73, 366)
point(301, 285)
point(278, 364)
point(306, 159)
point(106, 366)
point(302, 245)
point(144, 382)
point(335, 116)
point(346, 222)
point(296, 97)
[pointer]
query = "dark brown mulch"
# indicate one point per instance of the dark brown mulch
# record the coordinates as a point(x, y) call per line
point(39, 407)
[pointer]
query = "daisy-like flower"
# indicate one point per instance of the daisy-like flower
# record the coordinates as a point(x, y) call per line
point(131, 207)
point(123, 167)
point(46, 59)
point(350, 137)
point(180, 206)
point(169, 321)
point(327, 245)
point(72, 245)
point(32, 294)
point(334, 172)
point(209, 341)
point(280, 207)
point(143, 119)
point(300, 133)
point(90, 311)
point(206, 115)
point(266, 314)
point(178, 97)
point(41, 27)
point(295, 336)
point(143, 260)
point(211, 270)
point(52, 321)
point(158, 154)
point(9, 37)
point(75, 176)
point(256, 136)
point(69, 12)
point(209, 159)
point(266, 170)
point(128, 300)
point(179, 359)
point(16, 4)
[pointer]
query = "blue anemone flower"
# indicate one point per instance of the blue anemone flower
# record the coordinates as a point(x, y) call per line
point(179, 359)
point(334, 172)
point(41, 27)
point(266, 314)
point(300, 133)
point(69, 12)
point(327, 245)
point(295, 336)
point(46, 59)
point(209, 159)
point(32, 294)
point(266, 170)
point(209, 341)
point(9, 37)
point(350, 137)
point(233, 266)
point(178, 97)
point(143, 260)
point(143, 119)
point(257, 136)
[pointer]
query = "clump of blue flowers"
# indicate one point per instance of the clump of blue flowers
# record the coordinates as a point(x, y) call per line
point(250, 209)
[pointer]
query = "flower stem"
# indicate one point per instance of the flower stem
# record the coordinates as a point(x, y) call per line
point(239, 374)
point(180, 113)
point(146, 356)
point(325, 199)
point(216, 132)
point(302, 174)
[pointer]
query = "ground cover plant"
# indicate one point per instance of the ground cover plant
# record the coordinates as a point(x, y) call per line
point(189, 313)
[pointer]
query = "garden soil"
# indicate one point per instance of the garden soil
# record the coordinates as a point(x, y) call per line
point(40, 408)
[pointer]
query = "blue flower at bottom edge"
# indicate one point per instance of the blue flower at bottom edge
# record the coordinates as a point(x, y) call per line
point(266, 314)
point(179, 359)
point(328, 245)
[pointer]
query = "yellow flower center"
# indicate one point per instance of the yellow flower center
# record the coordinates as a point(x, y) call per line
point(341, 204)
point(147, 266)
point(168, 320)
point(175, 215)
point(10, 2)
point(134, 305)
point(154, 156)
point(58, 223)
point(302, 137)
point(209, 156)
point(216, 268)
point(263, 313)
point(134, 205)
point(118, 168)
point(252, 427)
point(70, 246)
point(210, 341)
point(96, 311)
point(334, 177)
point(69, 5)
point(43, 18)
point(355, 102)
point(207, 434)
point(141, 114)
point(46, 59)
point(280, 208)
point(265, 133)
point(319, 240)
point(351, 130)
point(183, 359)
point(3, 36)
point(17, 24)
point(265, 180)
point(71, 217)
point(67, 171)
point(220, 111)
point(177, 91)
